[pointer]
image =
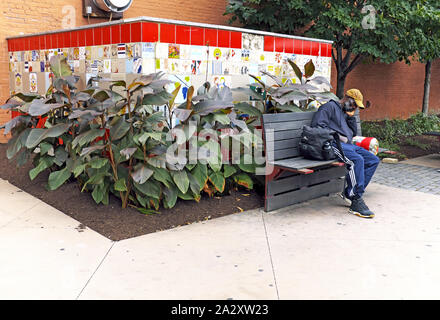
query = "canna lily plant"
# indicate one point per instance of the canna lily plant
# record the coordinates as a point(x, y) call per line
point(114, 141)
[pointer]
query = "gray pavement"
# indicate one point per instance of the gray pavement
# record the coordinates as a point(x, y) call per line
point(313, 250)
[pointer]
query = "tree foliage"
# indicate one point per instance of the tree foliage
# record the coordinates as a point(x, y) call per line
point(360, 29)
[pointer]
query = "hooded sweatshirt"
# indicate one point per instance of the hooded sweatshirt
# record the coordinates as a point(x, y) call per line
point(331, 116)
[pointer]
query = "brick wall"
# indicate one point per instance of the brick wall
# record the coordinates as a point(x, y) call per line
point(395, 90)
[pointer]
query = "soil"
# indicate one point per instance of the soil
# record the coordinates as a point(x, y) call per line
point(417, 146)
point(114, 222)
point(117, 224)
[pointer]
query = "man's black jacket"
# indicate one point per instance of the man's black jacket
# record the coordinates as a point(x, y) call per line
point(331, 116)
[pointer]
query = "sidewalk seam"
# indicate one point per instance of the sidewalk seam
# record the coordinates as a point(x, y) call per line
point(99, 265)
point(270, 255)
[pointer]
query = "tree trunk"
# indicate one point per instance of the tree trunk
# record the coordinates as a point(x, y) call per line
point(427, 87)
point(340, 86)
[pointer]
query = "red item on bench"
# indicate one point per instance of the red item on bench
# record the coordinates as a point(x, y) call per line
point(368, 143)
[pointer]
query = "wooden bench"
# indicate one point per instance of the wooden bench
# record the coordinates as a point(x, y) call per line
point(290, 178)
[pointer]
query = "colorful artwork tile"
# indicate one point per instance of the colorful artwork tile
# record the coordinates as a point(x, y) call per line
point(137, 65)
point(18, 80)
point(199, 53)
point(107, 67)
point(221, 81)
point(122, 51)
point(33, 82)
point(174, 51)
point(148, 50)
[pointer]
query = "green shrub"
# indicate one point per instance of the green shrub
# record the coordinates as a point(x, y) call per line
point(388, 132)
point(117, 141)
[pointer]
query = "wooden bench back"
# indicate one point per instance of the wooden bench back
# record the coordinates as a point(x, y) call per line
point(287, 129)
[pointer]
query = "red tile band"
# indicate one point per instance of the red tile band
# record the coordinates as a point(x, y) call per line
point(150, 32)
point(224, 38)
point(211, 37)
point(81, 38)
point(67, 39)
point(307, 47)
point(97, 36)
point(116, 34)
point(197, 36)
point(315, 48)
point(89, 37)
point(136, 32)
point(125, 33)
point(235, 40)
point(288, 45)
point(106, 35)
point(329, 50)
point(167, 33)
point(183, 34)
point(279, 44)
point(297, 46)
point(269, 43)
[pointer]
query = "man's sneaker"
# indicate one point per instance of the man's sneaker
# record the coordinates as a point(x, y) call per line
point(359, 208)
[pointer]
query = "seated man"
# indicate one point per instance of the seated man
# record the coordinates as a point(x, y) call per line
point(339, 116)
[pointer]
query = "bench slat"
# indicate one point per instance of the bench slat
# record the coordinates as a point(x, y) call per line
point(283, 154)
point(300, 163)
point(298, 181)
point(287, 117)
point(292, 125)
point(305, 194)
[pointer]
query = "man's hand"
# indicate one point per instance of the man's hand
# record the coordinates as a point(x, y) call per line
point(351, 113)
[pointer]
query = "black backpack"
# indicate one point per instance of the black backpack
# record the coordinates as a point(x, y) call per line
point(316, 143)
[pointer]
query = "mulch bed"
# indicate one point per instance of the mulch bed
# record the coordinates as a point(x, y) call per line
point(117, 224)
point(114, 222)
point(417, 146)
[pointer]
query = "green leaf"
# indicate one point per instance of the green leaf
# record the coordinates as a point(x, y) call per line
point(244, 180)
point(296, 69)
point(147, 211)
point(97, 163)
point(218, 181)
point(57, 178)
point(228, 170)
point(38, 107)
point(91, 149)
point(149, 188)
point(246, 108)
point(98, 193)
point(170, 196)
point(200, 173)
point(59, 66)
point(79, 169)
point(141, 173)
point(46, 148)
point(181, 180)
point(120, 185)
point(45, 162)
point(38, 135)
point(163, 176)
point(87, 137)
point(309, 69)
point(118, 130)
point(157, 99)
point(17, 142)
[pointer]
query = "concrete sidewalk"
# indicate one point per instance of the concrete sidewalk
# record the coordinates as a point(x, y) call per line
point(314, 250)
